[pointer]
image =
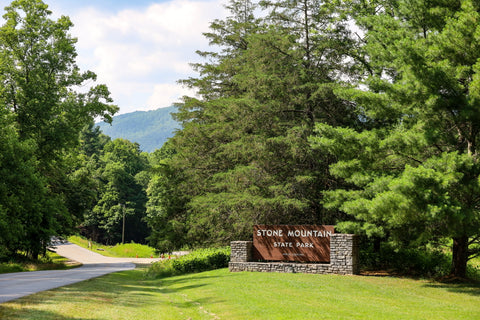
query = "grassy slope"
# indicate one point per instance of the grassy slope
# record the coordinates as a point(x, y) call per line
point(127, 250)
point(222, 295)
point(52, 262)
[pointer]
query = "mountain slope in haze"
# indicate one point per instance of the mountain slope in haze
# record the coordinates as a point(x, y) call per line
point(150, 129)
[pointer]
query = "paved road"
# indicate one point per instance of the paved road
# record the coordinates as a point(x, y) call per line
point(16, 285)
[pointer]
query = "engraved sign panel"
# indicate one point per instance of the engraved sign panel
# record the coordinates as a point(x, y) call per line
point(303, 243)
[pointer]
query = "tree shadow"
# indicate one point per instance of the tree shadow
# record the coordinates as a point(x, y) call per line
point(463, 287)
point(13, 313)
point(129, 289)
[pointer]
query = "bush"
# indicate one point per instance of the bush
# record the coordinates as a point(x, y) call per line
point(161, 269)
point(196, 261)
point(473, 269)
point(21, 263)
point(415, 262)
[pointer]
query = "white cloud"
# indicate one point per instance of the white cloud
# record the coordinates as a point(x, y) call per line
point(140, 53)
point(166, 94)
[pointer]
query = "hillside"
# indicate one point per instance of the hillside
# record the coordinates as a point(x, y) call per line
point(150, 129)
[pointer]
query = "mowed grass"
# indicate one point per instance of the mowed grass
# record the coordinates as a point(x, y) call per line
point(51, 262)
point(127, 250)
point(220, 294)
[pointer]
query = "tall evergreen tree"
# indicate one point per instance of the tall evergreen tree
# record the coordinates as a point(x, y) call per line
point(243, 151)
point(198, 144)
point(414, 173)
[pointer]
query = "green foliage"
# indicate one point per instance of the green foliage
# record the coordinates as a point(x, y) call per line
point(473, 269)
point(243, 155)
point(299, 119)
point(161, 269)
point(202, 260)
point(413, 170)
point(92, 141)
point(38, 63)
point(19, 263)
point(28, 216)
point(165, 205)
point(41, 118)
point(420, 262)
point(197, 261)
point(121, 195)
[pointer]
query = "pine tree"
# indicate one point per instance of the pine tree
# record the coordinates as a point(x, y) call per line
point(243, 153)
point(414, 172)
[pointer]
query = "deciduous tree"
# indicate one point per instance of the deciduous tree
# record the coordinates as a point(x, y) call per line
point(121, 193)
point(39, 79)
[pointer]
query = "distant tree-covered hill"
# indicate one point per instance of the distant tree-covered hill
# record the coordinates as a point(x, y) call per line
point(150, 129)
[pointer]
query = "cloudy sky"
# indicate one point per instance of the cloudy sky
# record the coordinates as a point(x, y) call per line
point(139, 48)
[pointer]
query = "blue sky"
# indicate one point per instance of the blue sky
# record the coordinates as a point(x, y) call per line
point(110, 5)
point(139, 48)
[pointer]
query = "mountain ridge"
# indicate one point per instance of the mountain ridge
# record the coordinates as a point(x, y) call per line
point(150, 129)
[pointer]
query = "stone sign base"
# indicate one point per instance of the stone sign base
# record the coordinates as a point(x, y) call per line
point(343, 258)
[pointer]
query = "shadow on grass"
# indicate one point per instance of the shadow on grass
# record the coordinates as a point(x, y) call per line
point(128, 289)
point(7, 313)
point(463, 286)
point(471, 288)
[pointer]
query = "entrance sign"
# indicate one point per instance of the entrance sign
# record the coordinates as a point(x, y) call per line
point(292, 243)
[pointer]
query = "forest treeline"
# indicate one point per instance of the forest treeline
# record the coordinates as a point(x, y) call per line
point(360, 114)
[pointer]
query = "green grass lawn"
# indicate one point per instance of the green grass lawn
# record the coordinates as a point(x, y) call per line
point(127, 250)
point(51, 262)
point(220, 294)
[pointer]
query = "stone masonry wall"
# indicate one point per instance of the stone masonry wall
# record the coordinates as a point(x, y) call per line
point(343, 258)
point(241, 251)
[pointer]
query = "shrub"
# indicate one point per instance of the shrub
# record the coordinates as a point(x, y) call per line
point(161, 269)
point(473, 269)
point(196, 261)
point(416, 262)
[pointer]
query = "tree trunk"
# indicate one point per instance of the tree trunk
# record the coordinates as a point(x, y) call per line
point(377, 241)
point(459, 256)
point(33, 254)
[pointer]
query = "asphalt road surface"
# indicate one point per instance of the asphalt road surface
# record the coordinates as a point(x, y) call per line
point(16, 285)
